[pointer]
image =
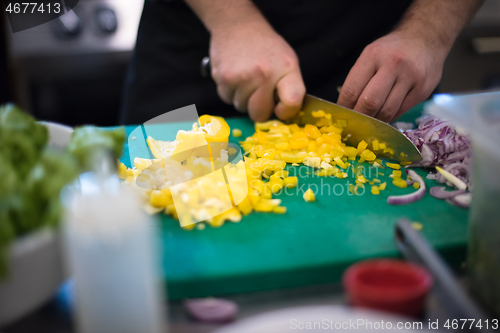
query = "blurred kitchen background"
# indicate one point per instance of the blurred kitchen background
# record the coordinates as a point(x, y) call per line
point(72, 70)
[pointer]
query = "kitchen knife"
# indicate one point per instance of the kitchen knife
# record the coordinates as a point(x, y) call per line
point(359, 126)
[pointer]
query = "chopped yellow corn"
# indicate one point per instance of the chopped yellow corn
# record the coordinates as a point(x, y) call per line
point(375, 145)
point(237, 133)
point(245, 206)
point(382, 186)
point(189, 226)
point(394, 166)
point(279, 210)
point(267, 205)
point(281, 174)
point(416, 185)
point(382, 146)
point(399, 182)
point(361, 147)
point(375, 190)
point(122, 171)
point(367, 155)
point(339, 162)
point(417, 226)
point(309, 196)
point(290, 182)
point(396, 173)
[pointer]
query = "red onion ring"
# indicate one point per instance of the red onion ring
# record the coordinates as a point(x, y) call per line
point(412, 197)
point(409, 182)
point(439, 192)
point(211, 309)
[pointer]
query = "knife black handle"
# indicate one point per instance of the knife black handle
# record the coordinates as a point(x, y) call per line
point(205, 68)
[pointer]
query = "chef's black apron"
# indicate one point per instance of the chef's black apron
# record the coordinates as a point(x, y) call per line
point(327, 35)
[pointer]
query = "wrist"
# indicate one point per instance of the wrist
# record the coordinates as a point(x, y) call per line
point(433, 38)
point(223, 16)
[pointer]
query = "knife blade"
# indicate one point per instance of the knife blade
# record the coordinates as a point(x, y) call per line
point(361, 127)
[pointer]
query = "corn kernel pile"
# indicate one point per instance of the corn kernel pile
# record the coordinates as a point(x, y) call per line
point(267, 152)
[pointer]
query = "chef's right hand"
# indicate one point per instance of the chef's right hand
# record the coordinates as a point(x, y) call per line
point(249, 62)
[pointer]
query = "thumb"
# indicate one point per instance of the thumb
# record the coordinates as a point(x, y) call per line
point(291, 91)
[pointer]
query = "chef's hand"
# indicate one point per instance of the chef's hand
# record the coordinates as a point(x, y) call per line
point(249, 62)
point(392, 75)
point(401, 69)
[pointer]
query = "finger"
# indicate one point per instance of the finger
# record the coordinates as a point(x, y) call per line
point(226, 93)
point(409, 102)
point(375, 93)
point(261, 103)
point(394, 101)
point(242, 95)
point(415, 96)
point(291, 91)
point(358, 77)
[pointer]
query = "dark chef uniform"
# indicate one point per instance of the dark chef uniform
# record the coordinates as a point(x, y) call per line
point(327, 35)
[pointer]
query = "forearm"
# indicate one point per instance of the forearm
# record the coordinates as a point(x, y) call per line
point(438, 22)
point(226, 14)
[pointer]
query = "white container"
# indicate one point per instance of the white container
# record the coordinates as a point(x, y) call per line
point(479, 114)
point(34, 261)
point(113, 257)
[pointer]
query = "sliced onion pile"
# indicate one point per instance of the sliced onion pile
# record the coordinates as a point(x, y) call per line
point(211, 309)
point(442, 145)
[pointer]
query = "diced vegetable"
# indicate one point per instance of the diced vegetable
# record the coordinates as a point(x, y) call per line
point(452, 179)
point(290, 182)
point(393, 166)
point(309, 196)
point(237, 133)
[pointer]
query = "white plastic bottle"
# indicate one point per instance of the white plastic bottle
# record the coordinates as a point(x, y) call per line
point(111, 251)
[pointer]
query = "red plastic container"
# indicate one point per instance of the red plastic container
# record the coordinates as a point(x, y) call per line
point(389, 285)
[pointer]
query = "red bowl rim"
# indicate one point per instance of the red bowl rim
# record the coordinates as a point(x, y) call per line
point(357, 289)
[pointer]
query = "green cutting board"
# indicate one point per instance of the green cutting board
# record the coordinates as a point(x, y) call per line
point(311, 244)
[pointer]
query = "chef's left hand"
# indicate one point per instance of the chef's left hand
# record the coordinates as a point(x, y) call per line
point(392, 74)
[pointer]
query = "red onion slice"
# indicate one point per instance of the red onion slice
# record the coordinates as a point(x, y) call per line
point(403, 126)
point(412, 197)
point(409, 182)
point(439, 192)
point(462, 200)
point(211, 309)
